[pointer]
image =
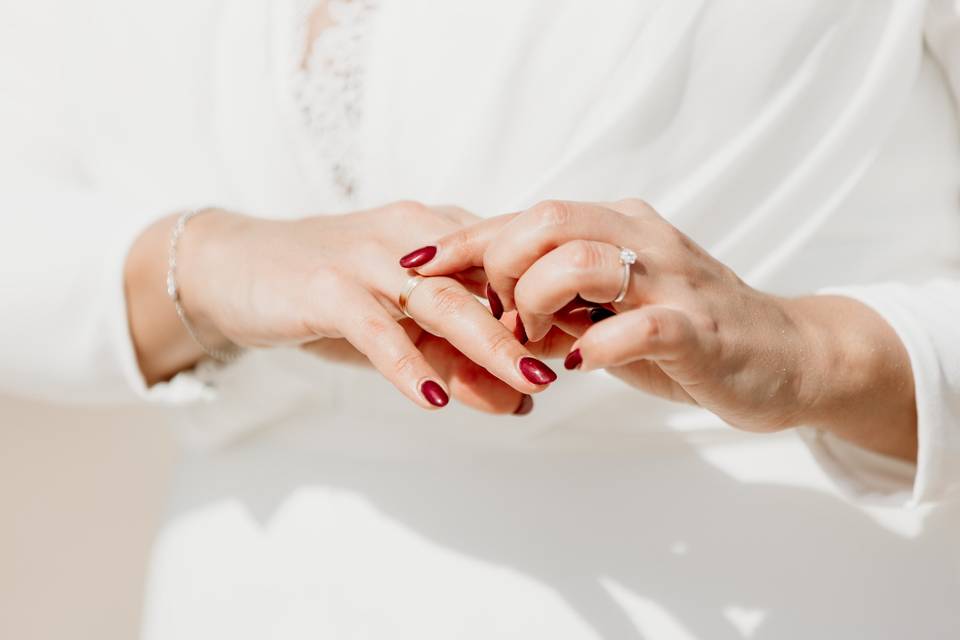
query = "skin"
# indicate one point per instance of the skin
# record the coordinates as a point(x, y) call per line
point(689, 329)
point(328, 284)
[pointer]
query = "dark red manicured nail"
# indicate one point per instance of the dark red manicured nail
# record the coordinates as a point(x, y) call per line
point(536, 371)
point(496, 307)
point(525, 407)
point(520, 332)
point(418, 258)
point(600, 313)
point(573, 360)
point(434, 393)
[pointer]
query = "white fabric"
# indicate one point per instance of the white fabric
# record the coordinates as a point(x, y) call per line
point(807, 144)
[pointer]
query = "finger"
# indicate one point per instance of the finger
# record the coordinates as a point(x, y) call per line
point(335, 350)
point(652, 333)
point(474, 279)
point(556, 344)
point(456, 251)
point(375, 334)
point(444, 308)
point(586, 269)
point(470, 383)
point(542, 229)
point(573, 323)
point(569, 324)
point(341, 351)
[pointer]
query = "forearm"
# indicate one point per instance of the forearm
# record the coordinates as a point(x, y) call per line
point(857, 382)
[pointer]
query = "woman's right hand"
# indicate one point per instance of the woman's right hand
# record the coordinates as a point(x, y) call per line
point(264, 282)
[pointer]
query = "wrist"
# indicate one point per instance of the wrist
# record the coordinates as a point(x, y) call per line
point(201, 255)
point(162, 345)
point(821, 355)
point(856, 379)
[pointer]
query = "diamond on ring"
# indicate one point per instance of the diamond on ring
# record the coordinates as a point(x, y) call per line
point(627, 256)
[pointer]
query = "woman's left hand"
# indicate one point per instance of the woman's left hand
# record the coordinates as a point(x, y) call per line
point(687, 328)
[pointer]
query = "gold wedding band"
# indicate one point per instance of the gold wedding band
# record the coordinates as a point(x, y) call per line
point(408, 288)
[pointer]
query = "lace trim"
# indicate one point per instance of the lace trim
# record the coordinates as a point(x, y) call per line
point(328, 85)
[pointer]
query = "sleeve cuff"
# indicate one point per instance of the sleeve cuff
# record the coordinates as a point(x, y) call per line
point(916, 316)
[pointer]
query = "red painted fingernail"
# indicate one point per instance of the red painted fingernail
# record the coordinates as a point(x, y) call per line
point(520, 332)
point(434, 393)
point(525, 407)
point(600, 313)
point(496, 306)
point(536, 371)
point(418, 258)
point(573, 360)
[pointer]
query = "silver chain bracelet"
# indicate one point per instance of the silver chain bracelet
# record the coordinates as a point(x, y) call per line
point(226, 354)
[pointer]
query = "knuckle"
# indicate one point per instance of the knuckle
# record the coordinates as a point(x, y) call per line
point(320, 284)
point(636, 207)
point(457, 240)
point(552, 213)
point(706, 324)
point(326, 284)
point(324, 279)
point(679, 240)
point(447, 296)
point(526, 297)
point(372, 327)
point(670, 332)
point(501, 343)
point(496, 263)
point(701, 325)
point(652, 329)
point(407, 365)
point(368, 249)
point(584, 255)
point(692, 280)
point(453, 213)
point(409, 210)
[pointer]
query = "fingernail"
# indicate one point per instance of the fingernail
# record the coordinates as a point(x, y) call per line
point(525, 407)
point(418, 258)
point(536, 371)
point(600, 313)
point(496, 307)
point(434, 393)
point(573, 360)
point(520, 332)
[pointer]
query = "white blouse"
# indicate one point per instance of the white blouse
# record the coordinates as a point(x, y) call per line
point(811, 145)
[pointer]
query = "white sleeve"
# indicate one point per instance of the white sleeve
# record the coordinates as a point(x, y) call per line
point(69, 214)
point(64, 236)
point(63, 328)
point(927, 320)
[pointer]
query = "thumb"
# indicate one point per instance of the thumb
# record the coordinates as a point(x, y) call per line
point(649, 333)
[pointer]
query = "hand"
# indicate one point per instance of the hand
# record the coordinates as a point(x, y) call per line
point(262, 283)
point(688, 328)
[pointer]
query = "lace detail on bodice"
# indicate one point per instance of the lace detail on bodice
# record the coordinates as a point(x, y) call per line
point(328, 83)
